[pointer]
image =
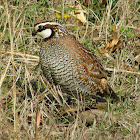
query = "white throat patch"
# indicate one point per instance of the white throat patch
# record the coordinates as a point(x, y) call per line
point(45, 33)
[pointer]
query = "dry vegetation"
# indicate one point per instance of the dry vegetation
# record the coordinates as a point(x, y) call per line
point(27, 108)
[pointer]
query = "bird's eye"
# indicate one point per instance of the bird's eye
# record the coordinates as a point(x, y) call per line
point(40, 27)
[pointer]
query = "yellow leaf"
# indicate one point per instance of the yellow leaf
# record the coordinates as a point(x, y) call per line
point(66, 15)
point(58, 15)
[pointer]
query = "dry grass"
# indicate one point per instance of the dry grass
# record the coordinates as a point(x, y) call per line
point(29, 105)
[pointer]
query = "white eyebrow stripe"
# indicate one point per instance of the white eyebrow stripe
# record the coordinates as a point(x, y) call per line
point(45, 23)
point(51, 23)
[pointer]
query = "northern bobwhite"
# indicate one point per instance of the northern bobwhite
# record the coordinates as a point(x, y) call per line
point(66, 62)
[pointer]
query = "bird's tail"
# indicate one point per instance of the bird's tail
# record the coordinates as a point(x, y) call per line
point(113, 95)
point(108, 91)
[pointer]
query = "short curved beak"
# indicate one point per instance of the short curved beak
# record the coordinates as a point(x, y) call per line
point(34, 33)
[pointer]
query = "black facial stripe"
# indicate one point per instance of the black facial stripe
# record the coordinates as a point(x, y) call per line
point(41, 28)
point(52, 32)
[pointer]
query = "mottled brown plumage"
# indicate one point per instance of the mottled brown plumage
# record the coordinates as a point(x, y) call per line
point(66, 62)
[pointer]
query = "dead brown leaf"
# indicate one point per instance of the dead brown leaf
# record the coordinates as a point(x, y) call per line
point(79, 13)
point(112, 43)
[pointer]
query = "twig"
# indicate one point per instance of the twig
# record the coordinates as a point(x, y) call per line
point(109, 69)
point(121, 70)
point(21, 54)
point(3, 75)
